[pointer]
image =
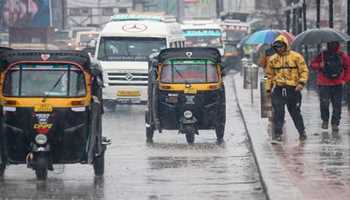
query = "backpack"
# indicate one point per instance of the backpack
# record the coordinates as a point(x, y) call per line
point(333, 67)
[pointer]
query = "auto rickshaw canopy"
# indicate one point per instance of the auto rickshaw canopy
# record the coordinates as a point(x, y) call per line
point(10, 56)
point(209, 53)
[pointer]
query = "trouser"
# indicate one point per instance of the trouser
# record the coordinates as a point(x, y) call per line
point(282, 96)
point(331, 94)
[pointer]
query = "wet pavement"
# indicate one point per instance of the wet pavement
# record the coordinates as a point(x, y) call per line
point(316, 169)
point(168, 169)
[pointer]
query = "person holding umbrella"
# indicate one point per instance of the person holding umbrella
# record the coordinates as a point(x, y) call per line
point(287, 75)
point(333, 71)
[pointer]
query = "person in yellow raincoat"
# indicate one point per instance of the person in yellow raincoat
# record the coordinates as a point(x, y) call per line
point(287, 75)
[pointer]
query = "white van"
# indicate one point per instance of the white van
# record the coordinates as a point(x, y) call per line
point(204, 33)
point(123, 50)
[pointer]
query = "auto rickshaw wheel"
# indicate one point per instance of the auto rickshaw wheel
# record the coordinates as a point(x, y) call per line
point(149, 134)
point(190, 138)
point(41, 168)
point(2, 169)
point(220, 131)
point(99, 165)
point(149, 129)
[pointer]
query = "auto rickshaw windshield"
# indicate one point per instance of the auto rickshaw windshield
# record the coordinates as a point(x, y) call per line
point(51, 80)
point(189, 71)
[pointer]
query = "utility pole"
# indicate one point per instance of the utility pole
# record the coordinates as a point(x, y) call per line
point(348, 22)
point(64, 7)
point(331, 23)
point(287, 20)
point(304, 16)
point(318, 11)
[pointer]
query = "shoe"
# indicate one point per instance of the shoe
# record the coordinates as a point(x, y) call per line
point(276, 139)
point(335, 127)
point(324, 125)
point(302, 137)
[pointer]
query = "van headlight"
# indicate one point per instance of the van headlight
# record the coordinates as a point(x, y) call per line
point(41, 139)
point(188, 114)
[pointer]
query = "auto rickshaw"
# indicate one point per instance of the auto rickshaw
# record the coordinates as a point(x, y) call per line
point(51, 110)
point(186, 93)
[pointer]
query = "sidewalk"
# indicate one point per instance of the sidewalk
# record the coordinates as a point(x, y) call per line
point(317, 169)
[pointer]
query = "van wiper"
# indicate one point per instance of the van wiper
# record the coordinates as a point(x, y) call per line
point(54, 86)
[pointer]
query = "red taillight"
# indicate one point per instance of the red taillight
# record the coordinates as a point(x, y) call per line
point(78, 103)
point(10, 102)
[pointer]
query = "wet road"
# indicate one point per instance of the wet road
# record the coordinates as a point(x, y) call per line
point(168, 169)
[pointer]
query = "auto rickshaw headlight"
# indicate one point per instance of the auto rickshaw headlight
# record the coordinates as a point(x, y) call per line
point(188, 114)
point(41, 139)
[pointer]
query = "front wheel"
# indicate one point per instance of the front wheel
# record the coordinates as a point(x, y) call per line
point(190, 138)
point(190, 132)
point(99, 165)
point(41, 168)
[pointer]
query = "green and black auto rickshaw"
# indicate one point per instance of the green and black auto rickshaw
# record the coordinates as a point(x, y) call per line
point(51, 103)
point(186, 92)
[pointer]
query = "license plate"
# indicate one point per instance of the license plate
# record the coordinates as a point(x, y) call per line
point(43, 108)
point(128, 93)
point(190, 91)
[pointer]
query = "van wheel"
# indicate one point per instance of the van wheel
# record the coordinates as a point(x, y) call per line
point(110, 105)
point(99, 165)
point(2, 169)
point(41, 168)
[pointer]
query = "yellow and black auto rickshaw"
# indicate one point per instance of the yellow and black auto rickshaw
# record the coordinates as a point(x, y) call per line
point(51, 110)
point(186, 93)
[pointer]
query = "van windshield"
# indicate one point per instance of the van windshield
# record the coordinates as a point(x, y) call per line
point(189, 71)
point(38, 80)
point(203, 38)
point(129, 48)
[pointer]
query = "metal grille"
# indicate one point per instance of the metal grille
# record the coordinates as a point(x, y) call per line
point(127, 78)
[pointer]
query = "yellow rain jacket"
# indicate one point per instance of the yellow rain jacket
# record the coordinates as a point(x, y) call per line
point(286, 69)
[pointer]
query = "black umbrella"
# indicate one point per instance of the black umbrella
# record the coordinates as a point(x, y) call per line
point(318, 36)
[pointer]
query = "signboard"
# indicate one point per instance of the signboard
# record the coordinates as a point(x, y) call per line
point(24, 13)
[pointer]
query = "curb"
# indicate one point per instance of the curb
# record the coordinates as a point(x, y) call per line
point(274, 177)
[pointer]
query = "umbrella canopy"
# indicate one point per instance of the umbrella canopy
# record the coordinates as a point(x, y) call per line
point(268, 36)
point(262, 37)
point(318, 36)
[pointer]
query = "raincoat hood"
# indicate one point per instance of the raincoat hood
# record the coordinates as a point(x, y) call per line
point(282, 39)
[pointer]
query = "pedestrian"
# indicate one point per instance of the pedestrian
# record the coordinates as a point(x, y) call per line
point(287, 75)
point(333, 71)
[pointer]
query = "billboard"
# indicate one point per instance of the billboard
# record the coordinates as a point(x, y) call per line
point(24, 13)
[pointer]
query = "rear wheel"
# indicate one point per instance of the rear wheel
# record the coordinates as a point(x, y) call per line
point(149, 129)
point(149, 134)
point(2, 169)
point(220, 131)
point(41, 168)
point(99, 165)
